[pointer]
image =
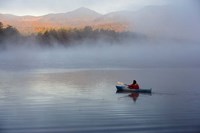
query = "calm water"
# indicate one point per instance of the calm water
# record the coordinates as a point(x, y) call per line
point(66, 100)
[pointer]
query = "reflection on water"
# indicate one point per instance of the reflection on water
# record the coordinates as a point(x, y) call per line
point(134, 96)
point(85, 101)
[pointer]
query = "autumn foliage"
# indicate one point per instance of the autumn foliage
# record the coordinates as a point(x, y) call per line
point(63, 36)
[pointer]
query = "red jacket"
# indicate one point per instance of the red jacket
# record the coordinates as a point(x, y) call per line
point(133, 86)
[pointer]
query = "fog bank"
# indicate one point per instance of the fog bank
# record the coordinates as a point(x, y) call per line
point(129, 55)
point(178, 20)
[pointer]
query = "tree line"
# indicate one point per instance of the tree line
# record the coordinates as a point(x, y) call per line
point(64, 37)
point(8, 34)
point(76, 36)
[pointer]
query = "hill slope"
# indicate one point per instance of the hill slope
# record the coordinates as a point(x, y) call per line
point(154, 21)
point(78, 18)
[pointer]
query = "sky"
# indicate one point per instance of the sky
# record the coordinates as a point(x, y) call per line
point(42, 7)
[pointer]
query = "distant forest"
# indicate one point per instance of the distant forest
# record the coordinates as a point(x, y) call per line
point(11, 36)
point(8, 34)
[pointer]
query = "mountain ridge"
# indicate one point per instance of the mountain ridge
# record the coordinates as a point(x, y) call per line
point(154, 21)
point(78, 18)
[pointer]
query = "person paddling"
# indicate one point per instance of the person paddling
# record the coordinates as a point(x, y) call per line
point(134, 85)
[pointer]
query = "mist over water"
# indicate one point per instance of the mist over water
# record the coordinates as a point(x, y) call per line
point(172, 40)
point(127, 55)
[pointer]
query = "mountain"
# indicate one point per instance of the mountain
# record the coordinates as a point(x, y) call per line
point(81, 15)
point(78, 18)
point(154, 21)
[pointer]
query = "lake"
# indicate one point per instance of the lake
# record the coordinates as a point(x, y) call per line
point(62, 100)
point(59, 90)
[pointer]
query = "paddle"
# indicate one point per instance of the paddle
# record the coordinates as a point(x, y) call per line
point(121, 83)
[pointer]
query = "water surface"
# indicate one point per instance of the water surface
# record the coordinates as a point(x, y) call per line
point(85, 100)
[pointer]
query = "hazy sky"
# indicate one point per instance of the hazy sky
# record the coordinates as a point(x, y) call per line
point(41, 7)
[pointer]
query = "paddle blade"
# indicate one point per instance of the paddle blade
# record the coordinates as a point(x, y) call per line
point(120, 83)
